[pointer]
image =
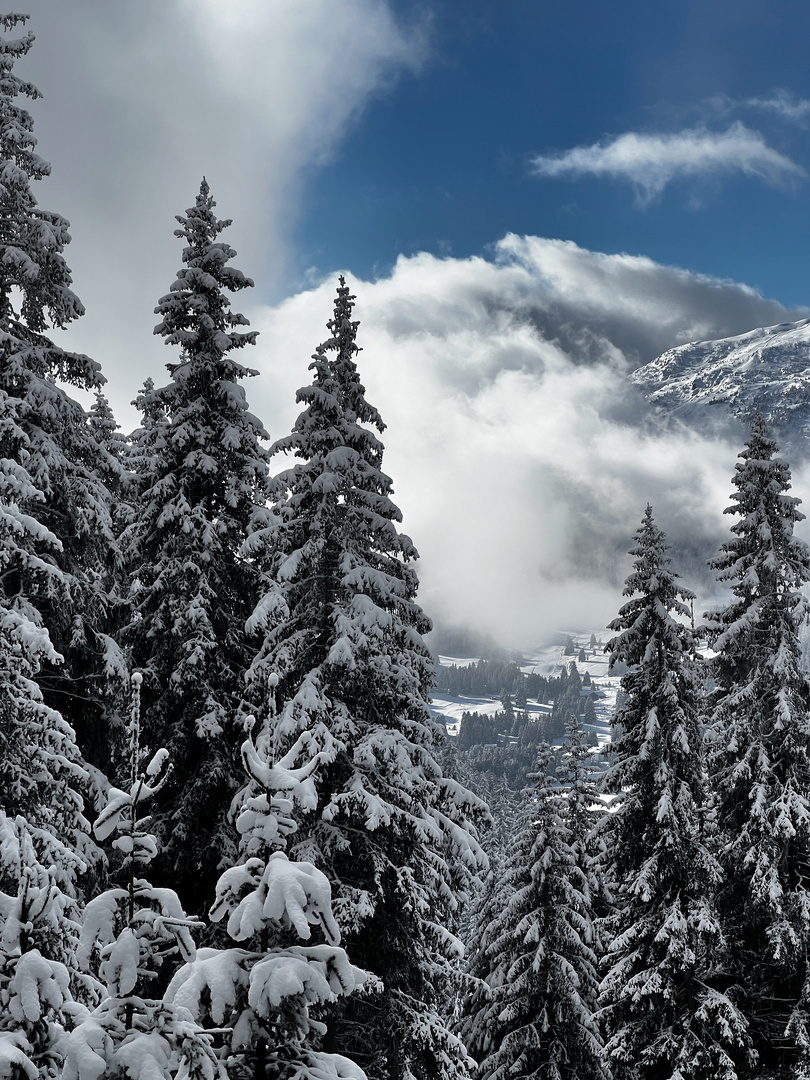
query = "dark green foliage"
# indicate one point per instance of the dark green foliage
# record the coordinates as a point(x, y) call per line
point(521, 698)
point(54, 533)
point(50, 462)
point(567, 703)
point(490, 678)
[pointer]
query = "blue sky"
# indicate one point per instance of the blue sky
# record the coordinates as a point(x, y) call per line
point(442, 160)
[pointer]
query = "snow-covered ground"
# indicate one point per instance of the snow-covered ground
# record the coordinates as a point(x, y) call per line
point(542, 660)
point(450, 708)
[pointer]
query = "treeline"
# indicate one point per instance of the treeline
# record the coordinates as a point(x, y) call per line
point(565, 694)
point(494, 678)
point(499, 678)
point(504, 744)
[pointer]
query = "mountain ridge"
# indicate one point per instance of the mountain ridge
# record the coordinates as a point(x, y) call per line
point(765, 370)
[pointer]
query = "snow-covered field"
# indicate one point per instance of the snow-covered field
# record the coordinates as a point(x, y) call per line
point(542, 660)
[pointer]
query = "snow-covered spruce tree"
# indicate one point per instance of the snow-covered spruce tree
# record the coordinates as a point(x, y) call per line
point(660, 1015)
point(537, 1018)
point(145, 445)
point(480, 928)
point(48, 455)
point(51, 502)
point(204, 485)
point(42, 855)
point(492, 891)
point(262, 991)
point(760, 757)
point(580, 776)
point(112, 444)
point(45, 847)
point(342, 634)
point(128, 933)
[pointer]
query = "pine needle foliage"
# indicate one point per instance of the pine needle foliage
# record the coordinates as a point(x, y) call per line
point(55, 508)
point(285, 959)
point(129, 933)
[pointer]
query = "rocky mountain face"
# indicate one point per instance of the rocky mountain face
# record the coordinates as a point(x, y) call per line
point(766, 370)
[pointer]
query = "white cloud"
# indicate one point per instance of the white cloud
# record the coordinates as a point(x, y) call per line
point(156, 94)
point(650, 162)
point(521, 457)
point(784, 104)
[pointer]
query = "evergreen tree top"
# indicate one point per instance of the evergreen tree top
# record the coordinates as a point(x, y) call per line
point(344, 343)
point(655, 591)
point(764, 533)
point(196, 314)
point(332, 436)
point(657, 754)
point(759, 456)
point(31, 240)
point(764, 564)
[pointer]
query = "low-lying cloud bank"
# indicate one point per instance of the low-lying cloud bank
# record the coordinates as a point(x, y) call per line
point(522, 457)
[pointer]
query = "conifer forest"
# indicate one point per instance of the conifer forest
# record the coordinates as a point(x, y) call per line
point(234, 840)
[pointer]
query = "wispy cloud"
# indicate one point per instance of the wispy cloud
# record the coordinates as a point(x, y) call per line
point(650, 162)
point(784, 104)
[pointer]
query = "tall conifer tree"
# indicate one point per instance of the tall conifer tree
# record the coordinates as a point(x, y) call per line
point(49, 459)
point(204, 486)
point(760, 757)
point(661, 1015)
point(343, 638)
point(54, 533)
point(537, 1018)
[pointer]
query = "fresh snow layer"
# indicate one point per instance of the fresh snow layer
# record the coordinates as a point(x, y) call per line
point(544, 660)
point(765, 370)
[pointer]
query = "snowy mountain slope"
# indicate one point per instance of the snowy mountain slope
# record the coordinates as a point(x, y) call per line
point(765, 370)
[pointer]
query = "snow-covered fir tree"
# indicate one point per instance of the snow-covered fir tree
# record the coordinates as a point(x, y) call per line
point(760, 757)
point(45, 849)
point(112, 444)
point(202, 472)
point(342, 634)
point(264, 989)
point(144, 447)
point(580, 774)
point(128, 934)
point(476, 918)
point(49, 459)
point(537, 1014)
point(479, 930)
point(661, 1016)
point(54, 532)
